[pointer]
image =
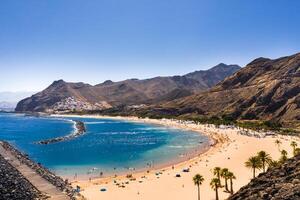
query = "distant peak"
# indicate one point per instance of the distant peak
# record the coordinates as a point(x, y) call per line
point(259, 60)
point(58, 82)
point(108, 82)
point(223, 65)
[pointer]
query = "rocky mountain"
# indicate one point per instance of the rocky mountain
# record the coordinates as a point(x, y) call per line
point(63, 96)
point(280, 183)
point(264, 89)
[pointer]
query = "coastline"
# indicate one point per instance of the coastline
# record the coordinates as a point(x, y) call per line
point(215, 140)
point(186, 157)
point(231, 149)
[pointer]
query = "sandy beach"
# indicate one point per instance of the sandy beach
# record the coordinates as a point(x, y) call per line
point(231, 150)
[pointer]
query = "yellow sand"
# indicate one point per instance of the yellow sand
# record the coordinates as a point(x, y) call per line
point(231, 151)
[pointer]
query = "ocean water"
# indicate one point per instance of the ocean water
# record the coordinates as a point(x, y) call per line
point(109, 146)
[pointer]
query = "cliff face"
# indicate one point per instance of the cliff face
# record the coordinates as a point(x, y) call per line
point(281, 183)
point(60, 95)
point(264, 89)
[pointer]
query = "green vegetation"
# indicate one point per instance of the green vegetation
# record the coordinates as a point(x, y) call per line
point(224, 174)
point(260, 125)
point(278, 143)
point(297, 152)
point(214, 183)
point(264, 158)
point(198, 180)
point(231, 176)
point(256, 125)
point(227, 175)
point(294, 145)
point(283, 157)
point(254, 163)
point(217, 172)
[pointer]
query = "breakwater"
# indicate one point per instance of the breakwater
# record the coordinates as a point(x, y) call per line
point(79, 130)
point(58, 182)
point(12, 189)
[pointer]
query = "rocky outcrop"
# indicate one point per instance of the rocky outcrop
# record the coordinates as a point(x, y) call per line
point(281, 183)
point(62, 96)
point(264, 89)
point(13, 185)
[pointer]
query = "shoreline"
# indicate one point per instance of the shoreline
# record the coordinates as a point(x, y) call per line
point(233, 147)
point(215, 141)
point(182, 158)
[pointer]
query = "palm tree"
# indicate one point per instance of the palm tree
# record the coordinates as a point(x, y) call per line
point(273, 163)
point(294, 145)
point(283, 157)
point(224, 173)
point(217, 172)
point(198, 180)
point(264, 158)
point(254, 163)
point(231, 176)
point(215, 186)
point(278, 143)
point(297, 151)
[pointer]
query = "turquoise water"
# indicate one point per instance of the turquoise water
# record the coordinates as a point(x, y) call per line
point(109, 146)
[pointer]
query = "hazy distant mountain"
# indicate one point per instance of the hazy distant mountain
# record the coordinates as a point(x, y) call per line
point(264, 89)
point(61, 95)
point(14, 96)
point(9, 100)
point(7, 106)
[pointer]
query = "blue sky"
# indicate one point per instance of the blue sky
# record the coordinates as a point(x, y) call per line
point(96, 40)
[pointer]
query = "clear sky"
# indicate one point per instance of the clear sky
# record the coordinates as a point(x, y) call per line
point(96, 40)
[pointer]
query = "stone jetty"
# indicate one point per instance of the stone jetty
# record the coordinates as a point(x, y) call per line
point(79, 130)
point(38, 182)
point(13, 185)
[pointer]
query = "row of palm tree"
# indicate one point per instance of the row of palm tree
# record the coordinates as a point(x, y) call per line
point(263, 160)
point(227, 175)
point(296, 150)
point(214, 183)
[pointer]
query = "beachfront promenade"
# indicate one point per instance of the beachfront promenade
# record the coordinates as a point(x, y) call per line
point(44, 186)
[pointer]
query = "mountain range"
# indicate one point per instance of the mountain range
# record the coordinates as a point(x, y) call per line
point(264, 89)
point(9, 100)
point(7, 106)
point(64, 96)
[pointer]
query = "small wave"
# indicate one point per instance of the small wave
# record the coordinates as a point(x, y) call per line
point(154, 128)
point(102, 122)
point(121, 133)
point(176, 146)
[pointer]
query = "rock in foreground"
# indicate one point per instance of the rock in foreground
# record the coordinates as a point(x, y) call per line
point(13, 185)
point(281, 183)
